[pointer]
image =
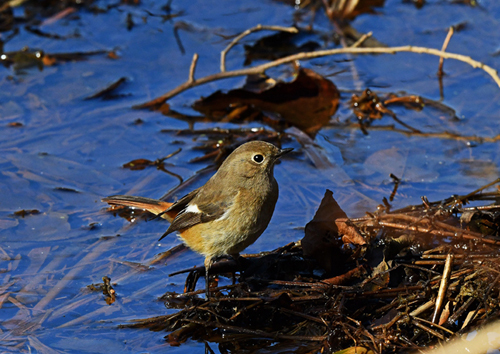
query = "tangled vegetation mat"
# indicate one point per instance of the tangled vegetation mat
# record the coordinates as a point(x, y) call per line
point(393, 280)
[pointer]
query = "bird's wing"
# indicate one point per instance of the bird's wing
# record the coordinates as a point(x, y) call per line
point(182, 203)
point(198, 210)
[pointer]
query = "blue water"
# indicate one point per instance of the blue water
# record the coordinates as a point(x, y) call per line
point(69, 152)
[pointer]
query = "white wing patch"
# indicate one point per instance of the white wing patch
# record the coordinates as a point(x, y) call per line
point(193, 208)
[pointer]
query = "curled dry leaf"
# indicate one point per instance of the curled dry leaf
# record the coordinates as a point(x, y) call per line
point(307, 102)
point(350, 233)
point(323, 237)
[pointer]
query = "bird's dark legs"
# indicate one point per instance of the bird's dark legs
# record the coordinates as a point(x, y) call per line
point(209, 261)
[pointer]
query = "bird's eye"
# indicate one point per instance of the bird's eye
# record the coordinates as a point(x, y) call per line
point(258, 158)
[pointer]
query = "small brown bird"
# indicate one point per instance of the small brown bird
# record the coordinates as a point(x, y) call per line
point(229, 212)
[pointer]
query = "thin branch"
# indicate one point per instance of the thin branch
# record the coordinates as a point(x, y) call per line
point(442, 288)
point(362, 39)
point(443, 48)
point(192, 68)
point(441, 233)
point(257, 28)
point(259, 69)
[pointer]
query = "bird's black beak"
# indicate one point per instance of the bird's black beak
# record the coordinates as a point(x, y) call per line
point(283, 152)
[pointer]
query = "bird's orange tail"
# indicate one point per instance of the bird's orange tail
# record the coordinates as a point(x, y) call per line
point(152, 205)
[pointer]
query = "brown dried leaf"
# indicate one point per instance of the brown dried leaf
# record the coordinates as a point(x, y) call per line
point(308, 102)
point(444, 314)
point(368, 105)
point(322, 240)
point(138, 164)
point(350, 232)
point(24, 212)
point(481, 222)
point(379, 279)
point(469, 317)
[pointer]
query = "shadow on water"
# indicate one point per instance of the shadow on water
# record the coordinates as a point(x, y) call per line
point(72, 72)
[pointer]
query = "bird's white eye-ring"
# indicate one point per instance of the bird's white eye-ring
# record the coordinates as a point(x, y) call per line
point(258, 158)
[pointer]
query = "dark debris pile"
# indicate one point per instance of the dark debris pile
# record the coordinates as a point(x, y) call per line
point(398, 281)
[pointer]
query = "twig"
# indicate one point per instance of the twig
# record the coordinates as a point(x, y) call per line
point(443, 287)
point(440, 72)
point(397, 181)
point(362, 39)
point(239, 37)
point(419, 221)
point(256, 332)
point(259, 69)
point(192, 68)
point(442, 233)
point(421, 309)
point(417, 323)
point(467, 196)
point(434, 325)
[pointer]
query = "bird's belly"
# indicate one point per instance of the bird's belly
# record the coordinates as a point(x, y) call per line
point(234, 231)
point(227, 235)
point(231, 236)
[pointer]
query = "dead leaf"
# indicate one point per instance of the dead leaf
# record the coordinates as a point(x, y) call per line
point(322, 240)
point(379, 279)
point(444, 314)
point(138, 164)
point(350, 232)
point(368, 106)
point(308, 102)
point(24, 212)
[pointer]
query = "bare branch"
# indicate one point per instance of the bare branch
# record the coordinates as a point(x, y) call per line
point(259, 69)
point(443, 48)
point(238, 38)
point(191, 79)
point(362, 39)
point(443, 287)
